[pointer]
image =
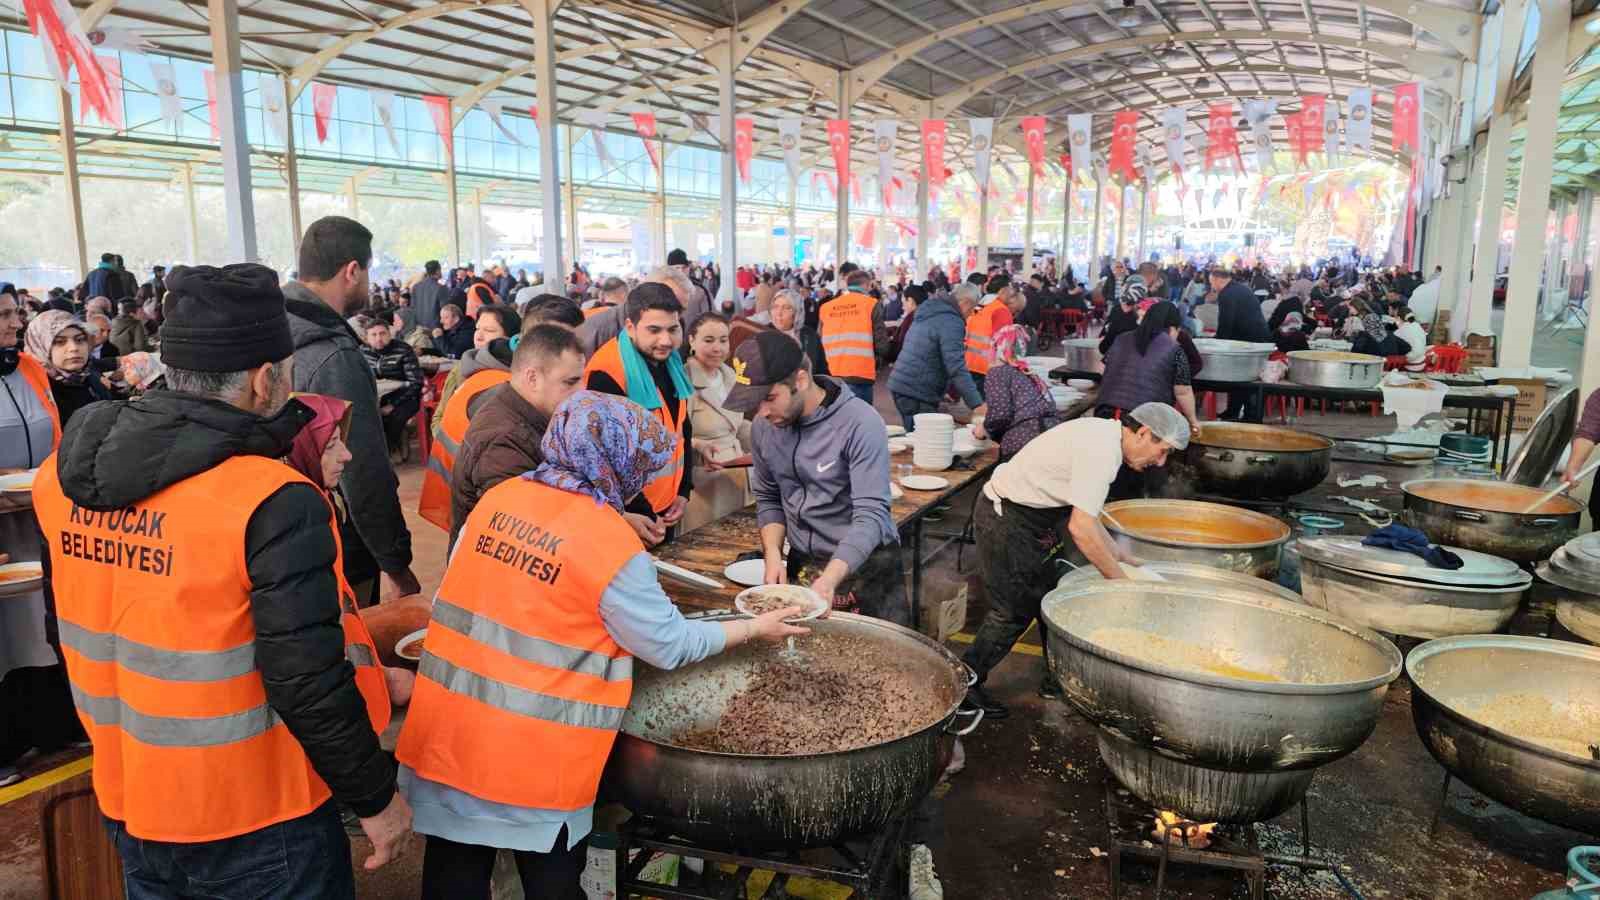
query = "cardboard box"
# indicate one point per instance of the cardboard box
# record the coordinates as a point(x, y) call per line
point(1441, 328)
point(1480, 356)
point(1531, 396)
point(1476, 341)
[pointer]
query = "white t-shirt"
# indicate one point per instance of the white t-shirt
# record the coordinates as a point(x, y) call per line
point(1072, 464)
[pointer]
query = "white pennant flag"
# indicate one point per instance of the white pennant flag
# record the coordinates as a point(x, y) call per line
point(383, 108)
point(496, 110)
point(884, 133)
point(165, 82)
point(1080, 129)
point(595, 121)
point(1142, 152)
point(1330, 130)
point(982, 143)
point(1358, 129)
point(1258, 113)
point(124, 40)
point(1173, 121)
point(789, 140)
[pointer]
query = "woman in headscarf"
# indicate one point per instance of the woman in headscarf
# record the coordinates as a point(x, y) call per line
point(1144, 365)
point(1019, 402)
point(786, 318)
point(721, 437)
point(1290, 335)
point(1373, 337)
point(591, 585)
point(61, 344)
point(407, 329)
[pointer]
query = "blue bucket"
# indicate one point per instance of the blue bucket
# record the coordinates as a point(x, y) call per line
point(1582, 881)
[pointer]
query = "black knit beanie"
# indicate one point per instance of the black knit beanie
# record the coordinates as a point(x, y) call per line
point(223, 320)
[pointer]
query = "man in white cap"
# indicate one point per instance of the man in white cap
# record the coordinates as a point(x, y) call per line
point(1060, 478)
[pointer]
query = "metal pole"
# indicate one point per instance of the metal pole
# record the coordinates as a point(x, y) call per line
point(238, 199)
point(793, 222)
point(1094, 236)
point(1486, 261)
point(1027, 230)
point(841, 230)
point(1144, 213)
point(728, 256)
point(291, 172)
point(192, 233)
point(544, 58)
point(661, 200)
point(1066, 227)
point(982, 256)
point(69, 157)
point(477, 228)
point(1122, 220)
point(922, 221)
point(451, 208)
point(569, 202)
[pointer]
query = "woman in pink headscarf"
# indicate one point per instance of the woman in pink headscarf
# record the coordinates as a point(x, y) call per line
point(1019, 403)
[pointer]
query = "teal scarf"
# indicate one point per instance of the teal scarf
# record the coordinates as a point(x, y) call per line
point(641, 385)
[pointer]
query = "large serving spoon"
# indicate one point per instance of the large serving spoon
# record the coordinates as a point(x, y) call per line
point(1563, 487)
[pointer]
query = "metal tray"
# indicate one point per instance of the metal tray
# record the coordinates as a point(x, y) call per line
point(1479, 570)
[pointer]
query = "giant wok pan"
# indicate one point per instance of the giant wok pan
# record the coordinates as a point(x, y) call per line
point(1242, 461)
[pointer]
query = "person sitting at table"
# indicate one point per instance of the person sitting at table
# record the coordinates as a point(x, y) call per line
point(1017, 401)
point(821, 480)
point(453, 337)
point(1291, 334)
point(1147, 365)
point(61, 345)
point(407, 329)
point(1373, 337)
point(574, 620)
point(721, 437)
point(393, 360)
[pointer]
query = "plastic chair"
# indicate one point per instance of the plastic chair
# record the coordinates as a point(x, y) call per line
point(1052, 327)
point(1391, 363)
point(431, 391)
point(1074, 320)
point(1446, 358)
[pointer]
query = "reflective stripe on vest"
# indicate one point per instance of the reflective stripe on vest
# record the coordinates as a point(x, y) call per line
point(359, 655)
point(173, 731)
point(525, 646)
point(434, 504)
point(520, 701)
point(167, 665)
point(662, 488)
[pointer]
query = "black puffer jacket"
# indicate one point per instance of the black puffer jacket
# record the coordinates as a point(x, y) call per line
point(118, 453)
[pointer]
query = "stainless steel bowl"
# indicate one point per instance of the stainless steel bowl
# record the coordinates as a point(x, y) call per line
point(1210, 743)
point(1193, 531)
point(1235, 459)
point(1399, 606)
point(1452, 677)
point(1083, 355)
point(1192, 575)
point(1332, 369)
point(1238, 361)
point(1488, 516)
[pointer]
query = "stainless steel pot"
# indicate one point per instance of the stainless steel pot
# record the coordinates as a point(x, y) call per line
point(1192, 531)
point(1398, 606)
point(1190, 574)
point(1083, 355)
point(1216, 743)
point(1232, 360)
point(751, 803)
point(1454, 676)
point(1248, 461)
point(1487, 516)
point(1333, 369)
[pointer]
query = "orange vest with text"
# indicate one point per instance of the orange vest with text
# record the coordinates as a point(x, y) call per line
point(34, 373)
point(158, 638)
point(846, 326)
point(980, 338)
point(517, 660)
point(434, 504)
point(662, 488)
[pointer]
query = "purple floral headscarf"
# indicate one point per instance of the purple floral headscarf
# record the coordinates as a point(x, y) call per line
point(603, 447)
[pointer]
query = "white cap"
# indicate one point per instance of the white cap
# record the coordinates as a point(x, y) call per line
point(1164, 422)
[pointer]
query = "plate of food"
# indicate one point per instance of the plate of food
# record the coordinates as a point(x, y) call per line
point(679, 573)
point(20, 578)
point(409, 648)
point(748, 572)
point(765, 598)
point(18, 482)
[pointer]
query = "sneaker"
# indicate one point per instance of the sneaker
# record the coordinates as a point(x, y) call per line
point(978, 698)
point(1049, 688)
point(924, 881)
point(9, 775)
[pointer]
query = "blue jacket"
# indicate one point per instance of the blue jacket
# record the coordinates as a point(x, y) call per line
point(934, 355)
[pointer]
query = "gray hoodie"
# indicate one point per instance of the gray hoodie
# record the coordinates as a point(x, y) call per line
point(826, 478)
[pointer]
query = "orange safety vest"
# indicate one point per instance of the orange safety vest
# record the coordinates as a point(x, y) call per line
point(593, 311)
point(517, 659)
point(34, 373)
point(153, 601)
point(434, 504)
point(846, 322)
point(662, 488)
point(980, 338)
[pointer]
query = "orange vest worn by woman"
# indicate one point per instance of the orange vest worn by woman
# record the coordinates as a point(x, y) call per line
point(980, 338)
point(846, 326)
point(662, 488)
point(517, 659)
point(34, 374)
point(434, 504)
point(159, 643)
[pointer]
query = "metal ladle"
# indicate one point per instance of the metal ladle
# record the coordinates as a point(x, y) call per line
point(1563, 487)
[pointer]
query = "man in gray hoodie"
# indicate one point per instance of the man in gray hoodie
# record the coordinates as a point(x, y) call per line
point(934, 357)
point(821, 478)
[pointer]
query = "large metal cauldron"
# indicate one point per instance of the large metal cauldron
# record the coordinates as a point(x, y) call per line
point(1454, 677)
point(1487, 516)
point(1215, 743)
point(1083, 355)
point(1193, 576)
point(1207, 534)
point(754, 803)
point(1238, 361)
point(1249, 461)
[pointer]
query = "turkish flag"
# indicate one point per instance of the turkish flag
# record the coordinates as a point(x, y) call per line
point(322, 96)
point(1223, 136)
point(933, 134)
point(1297, 139)
point(1311, 110)
point(839, 143)
point(1033, 134)
point(1066, 164)
point(1124, 129)
point(1407, 101)
point(744, 144)
point(868, 237)
point(439, 108)
point(112, 66)
point(645, 124)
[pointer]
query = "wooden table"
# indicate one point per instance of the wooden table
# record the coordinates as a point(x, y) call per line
point(709, 548)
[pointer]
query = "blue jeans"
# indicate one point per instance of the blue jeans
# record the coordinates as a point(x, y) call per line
point(864, 391)
point(908, 407)
point(301, 858)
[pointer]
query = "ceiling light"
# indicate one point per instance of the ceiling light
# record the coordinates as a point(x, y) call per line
point(1202, 82)
point(1130, 19)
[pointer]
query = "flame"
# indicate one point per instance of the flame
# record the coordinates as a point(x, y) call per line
point(1173, 828)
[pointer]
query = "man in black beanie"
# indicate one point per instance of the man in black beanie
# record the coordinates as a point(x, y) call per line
point(200, 614)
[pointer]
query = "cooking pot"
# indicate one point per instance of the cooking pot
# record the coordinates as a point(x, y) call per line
point(1209, 534)
point(1192, 575)
point(749, 802)
point(1083, 355)
point(1232, 360)
point(1334, 369)
point(1248, 461)
point(1487, 516)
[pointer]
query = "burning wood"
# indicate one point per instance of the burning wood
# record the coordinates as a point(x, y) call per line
point(1173, 828)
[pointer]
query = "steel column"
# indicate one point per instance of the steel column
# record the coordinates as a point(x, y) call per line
point(922, 220)
point(661, 202)
point(841, 239)
point(238, 199)
point(793, 222)
point(1486, 259)
point(1027, 229)
point(69, 159)
point(1094, 239)
point(982, 256)
point(1122, 221)
point(544, 60)
point(1144, 214)
point(1066, 228)
point(727, 101)
point(192, 217)
point(291, 169)
point(569, 203)
point(452, 208)
point(477, 230)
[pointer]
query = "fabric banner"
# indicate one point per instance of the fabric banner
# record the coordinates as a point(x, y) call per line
point(322, 97)
point(1295, 126)
point(645, 124)
point(827, 179)
point(165, 83)
point(210, 76)
point(1407, 116)
point(112, 66)
point(1173, 121)
point(439, 109)
point(982, 144)
point(595, 121)
point(1223, 136)
point(383, 108)
point(883, 135)
point(123, 40)
point(868, 236)
point(744, 145)
point(1259, 113)
point(496, 110)
point(1358, 130)
point(1080, 131)
point(855, 189)
point(1124, 129)
point(933, 137)
point(789, 140)
point(275, 108)
point(839, 144)
point(55, 24)
point(1311, 113)
point(1144, 153)
point(1330, 132)
point(1033, 138)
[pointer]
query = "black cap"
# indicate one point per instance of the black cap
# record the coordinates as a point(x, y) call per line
point(677, 258)
point(759, 363)
point(223, 320)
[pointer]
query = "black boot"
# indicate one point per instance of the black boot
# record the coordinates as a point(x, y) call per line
point(978, 698)
point(1049, 688)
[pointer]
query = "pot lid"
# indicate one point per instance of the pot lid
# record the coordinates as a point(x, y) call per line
point(1477, 570)
point(1548, 571)
point(1219, 347)
point(1581, 555)
point(1550, 434)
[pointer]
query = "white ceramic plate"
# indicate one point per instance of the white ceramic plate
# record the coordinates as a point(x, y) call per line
point(894, 491)
point(800, 595)
point(18, 482)
point(899, 445)
point(403, 648)
point(1080, 384)
point(678, 573)
point(20, 578)
point(895, 430)
point(748, 572)
point(925, 482)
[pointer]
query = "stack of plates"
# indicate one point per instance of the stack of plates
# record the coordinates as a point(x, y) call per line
point(964, 444)
point(934, 439)
point(1063, 396)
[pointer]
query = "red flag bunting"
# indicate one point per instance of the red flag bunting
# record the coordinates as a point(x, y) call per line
point(112, 66)
point(1224, 137)
point(1297, 138)
point(869, 234)
point(645, 124)
point(1033, 136)
point(211, 103)
point(1124, 129)
point(744, 145)
point(322, 107)
point(55, 24)
point(933, 135)
point(839, 143)
point(439, 109)
point(1311, 109)
point(1066, 163)
point(855, 189)
point(1407, 101)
